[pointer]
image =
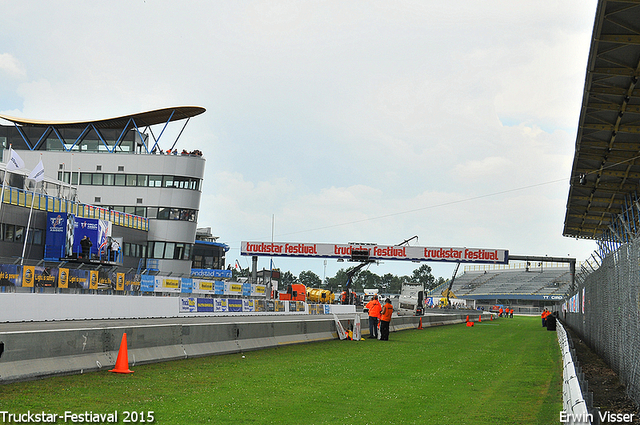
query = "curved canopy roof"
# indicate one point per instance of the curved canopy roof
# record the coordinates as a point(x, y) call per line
point(606, 168)
point(142, 119)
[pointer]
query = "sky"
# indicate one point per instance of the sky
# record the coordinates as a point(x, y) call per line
point(330, 121)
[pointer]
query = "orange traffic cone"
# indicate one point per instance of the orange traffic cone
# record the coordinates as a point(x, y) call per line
point(467, 319)
point(122, 362)
point(420, 325)
point(469, 324)
point(491, 317)
point(480, 319)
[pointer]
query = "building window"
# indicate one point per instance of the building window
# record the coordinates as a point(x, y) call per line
point(120, 168)
point(120, 179)
point(85, 178)
point(97, 179)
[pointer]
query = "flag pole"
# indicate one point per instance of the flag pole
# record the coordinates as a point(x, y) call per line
point(26, 235)
point(37, 175)
point(4, 178)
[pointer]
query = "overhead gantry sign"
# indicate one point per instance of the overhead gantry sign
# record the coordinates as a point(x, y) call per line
point(354, 251)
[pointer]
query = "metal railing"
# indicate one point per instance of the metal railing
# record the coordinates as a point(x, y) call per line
point(42, 202)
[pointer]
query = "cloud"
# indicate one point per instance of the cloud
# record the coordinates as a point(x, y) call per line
point(339, 121)
point(11, 66)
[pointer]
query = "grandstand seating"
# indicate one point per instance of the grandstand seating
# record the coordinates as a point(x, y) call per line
point(549, 281)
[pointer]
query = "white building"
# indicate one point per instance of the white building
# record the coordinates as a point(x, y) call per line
point(119, 164)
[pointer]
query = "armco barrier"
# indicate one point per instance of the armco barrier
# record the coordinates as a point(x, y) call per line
point(573, 404)
point(88, 347)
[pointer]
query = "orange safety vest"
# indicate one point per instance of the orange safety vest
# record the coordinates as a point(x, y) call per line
point(374, 308)
point(387, 310)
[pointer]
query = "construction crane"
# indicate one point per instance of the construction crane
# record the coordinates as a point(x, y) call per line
point(453, 278)
point(356, 255)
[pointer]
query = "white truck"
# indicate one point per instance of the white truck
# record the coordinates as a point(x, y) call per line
point(411, 300)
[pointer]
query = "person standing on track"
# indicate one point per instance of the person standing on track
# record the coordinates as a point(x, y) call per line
point(385, 319)
point(374, 314)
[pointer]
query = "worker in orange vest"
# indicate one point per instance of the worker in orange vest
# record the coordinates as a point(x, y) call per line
point(500, 312)
point(544, 315)
point(374, 315)
point(385, 319)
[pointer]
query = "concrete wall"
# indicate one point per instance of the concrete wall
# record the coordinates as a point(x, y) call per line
point(31, 354)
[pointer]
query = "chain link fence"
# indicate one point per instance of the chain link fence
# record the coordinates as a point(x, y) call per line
point(605, 311)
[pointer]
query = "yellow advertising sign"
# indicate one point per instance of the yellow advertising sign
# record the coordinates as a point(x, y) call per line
point(63, 278)
point(260, 289)
point(206, 285)
point(236, 288)
point(119, 281)
point(93, 279)
point(28, 273)
point(172, 283)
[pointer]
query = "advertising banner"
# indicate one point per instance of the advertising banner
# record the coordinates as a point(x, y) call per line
point(187, 285)
point(45, 277)
point(233, 289)
point(188, 305)
point(376, 252)
point(218, 287)
point(247, 305)
point(258, 290)
point(203, 285)
point(59, 235)
point(10, 275)
point(96, 230)
point(63, 278)
point(246, 289)
point(147, 283)
point(119, 281)
point(28, 273)
point(204, 305)
point(211, 273)
point(220, 305)
point(234, 305)
point(78, 278)
point(93, 279)
point(171, 283)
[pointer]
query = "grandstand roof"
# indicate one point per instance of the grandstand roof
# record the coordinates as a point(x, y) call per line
point(158, 116)
point(607, 153)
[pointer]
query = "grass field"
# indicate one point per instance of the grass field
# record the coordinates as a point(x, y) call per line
point(506, 371)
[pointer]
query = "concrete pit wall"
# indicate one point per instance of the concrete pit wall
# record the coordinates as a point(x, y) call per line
point(40, 353)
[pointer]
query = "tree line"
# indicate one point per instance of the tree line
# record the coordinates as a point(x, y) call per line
point(365, 279)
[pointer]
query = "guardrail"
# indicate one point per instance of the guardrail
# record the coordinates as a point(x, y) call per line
point(574, 407)
point(43, 202)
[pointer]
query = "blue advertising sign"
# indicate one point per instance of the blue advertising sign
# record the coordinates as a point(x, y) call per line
point(235, 305)
point(187, 285)
point(246, 289)
point(210, 273)
point(59, 235)
point(9, 275)
point(147, 283)
point(205, 305)
point(96, 230)
point(218, 287)
point(79, 278)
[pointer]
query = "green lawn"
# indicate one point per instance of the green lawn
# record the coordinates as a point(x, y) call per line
point(506, 371)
